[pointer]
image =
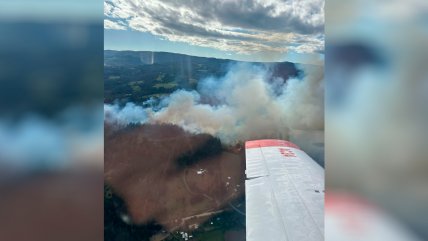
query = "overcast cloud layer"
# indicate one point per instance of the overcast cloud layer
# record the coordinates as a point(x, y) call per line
point(244, 26)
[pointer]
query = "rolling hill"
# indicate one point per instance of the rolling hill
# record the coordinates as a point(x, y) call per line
point(138, 76)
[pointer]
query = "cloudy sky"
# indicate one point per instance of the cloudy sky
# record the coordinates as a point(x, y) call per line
point(262, 30)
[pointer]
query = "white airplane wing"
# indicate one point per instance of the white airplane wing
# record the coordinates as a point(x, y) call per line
point(284, 193)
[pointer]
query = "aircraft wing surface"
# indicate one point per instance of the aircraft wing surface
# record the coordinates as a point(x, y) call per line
point(284, 193)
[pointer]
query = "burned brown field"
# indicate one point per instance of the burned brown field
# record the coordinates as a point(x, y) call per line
point(167, 175)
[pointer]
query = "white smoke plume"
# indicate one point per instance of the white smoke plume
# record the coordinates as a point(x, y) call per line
point(244, 104)
point(130, 113)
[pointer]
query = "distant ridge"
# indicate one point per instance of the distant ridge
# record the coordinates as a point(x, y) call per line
point(131, 57)
point(128, 57)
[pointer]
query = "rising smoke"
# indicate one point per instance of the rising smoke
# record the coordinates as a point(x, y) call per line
point(246, 103)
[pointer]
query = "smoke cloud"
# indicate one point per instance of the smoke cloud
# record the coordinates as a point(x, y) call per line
point(246, 103)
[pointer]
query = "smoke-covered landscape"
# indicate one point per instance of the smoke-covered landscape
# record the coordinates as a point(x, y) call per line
point(187, 83)
point(174, 132)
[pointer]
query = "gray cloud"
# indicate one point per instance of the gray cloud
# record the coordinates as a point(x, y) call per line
point(241, 26)
point(113, 25)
